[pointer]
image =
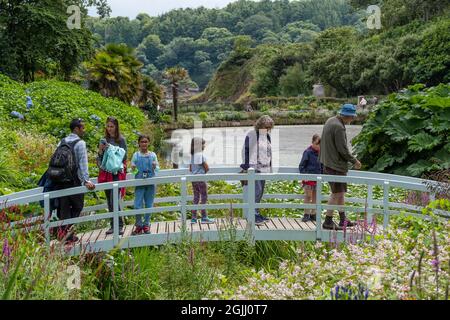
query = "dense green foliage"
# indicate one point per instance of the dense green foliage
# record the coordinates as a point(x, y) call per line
point(34, 36)
point(116, 72)
point(200, 39)
point(346, 62)
point(408, 134)
point(28, 144)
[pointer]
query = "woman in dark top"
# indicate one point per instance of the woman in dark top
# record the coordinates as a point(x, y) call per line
point(310, 164)
point(112, 137)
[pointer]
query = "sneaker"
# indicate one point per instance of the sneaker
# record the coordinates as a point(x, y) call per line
point(146, 229)
point(61, 234)
point(261, 217)
point(259, 221)
point(72, 239)
point(193, 221)
point(306, 218)
point(331, 226)
point(208, 220)
point(111, 231)
point(312, 217)
point(137, 231)
point(348, 223)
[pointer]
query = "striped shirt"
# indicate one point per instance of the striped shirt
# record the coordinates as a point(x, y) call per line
point(81, 157)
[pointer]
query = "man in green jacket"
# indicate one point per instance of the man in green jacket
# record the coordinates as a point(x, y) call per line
point(336, 157)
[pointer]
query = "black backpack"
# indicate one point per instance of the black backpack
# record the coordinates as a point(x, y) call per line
point(63, 166)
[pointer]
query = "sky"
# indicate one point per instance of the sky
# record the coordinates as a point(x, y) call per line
point(131, 8)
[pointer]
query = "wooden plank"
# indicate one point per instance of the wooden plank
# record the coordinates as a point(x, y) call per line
point(166, 227)
point(103, 235)
point(262, 227)
point(178, 226)
point(287, 225)
point(294, 224)
point(212, 227)
point(279, 224)
point(311, 225)
point(242, 224)
point(95, 236)
point(222, 224)
point(195, 227)
point(297, 221)
point(271, 225)
point(128, 231)
point(159, 227)
point(154, 228)
point(87, 237)
point(304, 225)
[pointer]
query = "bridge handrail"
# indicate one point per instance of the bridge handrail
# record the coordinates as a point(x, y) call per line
point(182, 176)
point(225, 170)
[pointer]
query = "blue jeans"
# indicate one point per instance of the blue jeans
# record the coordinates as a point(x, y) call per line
point(144, 194)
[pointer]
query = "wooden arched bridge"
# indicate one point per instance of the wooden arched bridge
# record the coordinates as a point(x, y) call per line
point(242, 225)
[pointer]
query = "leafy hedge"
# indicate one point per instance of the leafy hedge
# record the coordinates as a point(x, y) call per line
point(57, 103)
point(26, 145)
point(409, 133)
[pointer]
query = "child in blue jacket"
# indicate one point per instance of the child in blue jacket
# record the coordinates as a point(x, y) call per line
point(310, 164)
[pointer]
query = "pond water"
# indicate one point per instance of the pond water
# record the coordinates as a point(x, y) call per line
point(224, 145)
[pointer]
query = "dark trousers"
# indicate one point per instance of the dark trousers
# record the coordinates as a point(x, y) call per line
point(259, 192)
point(110, 198)
point(200, 197)
point(69, 207)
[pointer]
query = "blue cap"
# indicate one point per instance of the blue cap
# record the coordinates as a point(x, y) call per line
point(348, 110)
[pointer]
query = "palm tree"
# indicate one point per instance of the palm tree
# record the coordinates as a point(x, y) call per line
point(115, 72)
point(150, 91)
point(175, 75)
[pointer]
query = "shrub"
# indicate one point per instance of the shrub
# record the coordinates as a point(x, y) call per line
point(203, 116)
point(408, 133)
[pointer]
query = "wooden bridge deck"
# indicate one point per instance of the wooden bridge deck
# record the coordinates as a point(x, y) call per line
point(278, 228)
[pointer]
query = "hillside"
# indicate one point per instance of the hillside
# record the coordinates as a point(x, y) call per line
point(30, 142)
point(347, 62)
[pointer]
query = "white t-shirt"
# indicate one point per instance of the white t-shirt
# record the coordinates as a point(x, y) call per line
point(197, 161)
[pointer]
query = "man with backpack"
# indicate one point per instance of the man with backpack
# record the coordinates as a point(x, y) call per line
point(69, 169)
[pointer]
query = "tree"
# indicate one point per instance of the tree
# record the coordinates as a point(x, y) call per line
point(256, 25)
point(115, 72)
point(295, 82)
point(150, 93)
point(151, 47)
point(34, 32)
point(175, 75)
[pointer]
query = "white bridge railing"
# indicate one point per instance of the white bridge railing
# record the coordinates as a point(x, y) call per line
point(247, 203)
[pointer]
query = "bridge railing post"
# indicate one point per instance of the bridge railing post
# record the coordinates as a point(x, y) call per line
point(251, 204)
point(116, 213)
point(386, 187)
point(183, 202)
point(369, 203)
point(47, 216)
point(245, 200)
point(319, 209)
